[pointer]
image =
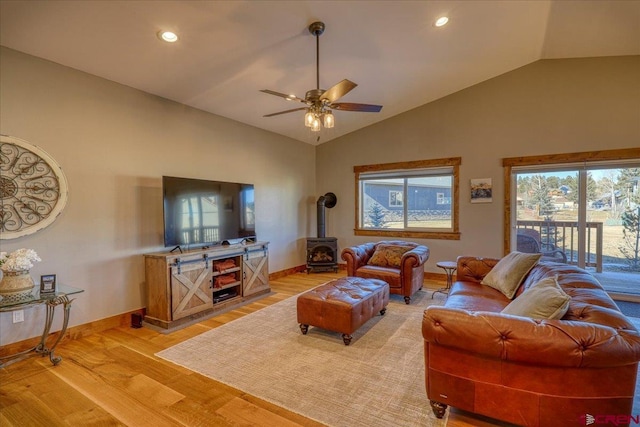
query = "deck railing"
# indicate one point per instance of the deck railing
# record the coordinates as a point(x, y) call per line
point(564, 235)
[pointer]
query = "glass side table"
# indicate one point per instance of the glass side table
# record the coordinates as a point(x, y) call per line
point(51, 301)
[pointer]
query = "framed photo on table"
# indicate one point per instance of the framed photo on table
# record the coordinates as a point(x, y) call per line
point(48, 284)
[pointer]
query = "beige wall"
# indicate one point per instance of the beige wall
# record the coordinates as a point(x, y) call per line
point(550, 106)
point(114, 144)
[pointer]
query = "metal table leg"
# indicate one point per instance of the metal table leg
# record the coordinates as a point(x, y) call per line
point(41, 347)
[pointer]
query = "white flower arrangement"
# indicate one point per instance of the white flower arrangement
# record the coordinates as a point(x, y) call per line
point(19, 260)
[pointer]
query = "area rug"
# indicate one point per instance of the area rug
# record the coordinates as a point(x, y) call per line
point(378, 380)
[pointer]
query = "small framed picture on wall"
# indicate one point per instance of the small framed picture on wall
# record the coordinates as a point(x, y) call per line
point(48, 284)
point(481, 190)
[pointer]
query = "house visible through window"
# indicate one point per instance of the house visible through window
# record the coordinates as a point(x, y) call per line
point(441, 199)
point(395, 198)
point(412, 199)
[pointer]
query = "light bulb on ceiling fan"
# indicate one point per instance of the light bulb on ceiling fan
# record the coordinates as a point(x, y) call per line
point(309, 118)
point(328, 120)
point(315, 126)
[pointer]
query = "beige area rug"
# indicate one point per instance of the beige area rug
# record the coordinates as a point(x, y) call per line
point(378, 380)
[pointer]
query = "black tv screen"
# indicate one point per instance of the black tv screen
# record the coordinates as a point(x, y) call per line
point(201, 212)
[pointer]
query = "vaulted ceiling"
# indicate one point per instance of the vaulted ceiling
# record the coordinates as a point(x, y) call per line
point(229, 50)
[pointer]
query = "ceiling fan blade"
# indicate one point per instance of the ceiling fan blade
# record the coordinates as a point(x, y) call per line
point(284, 112)
point(337, 91)
point(349, 106)
point(282, 95)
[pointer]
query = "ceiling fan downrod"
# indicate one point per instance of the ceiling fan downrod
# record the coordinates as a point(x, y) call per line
point(317, 28)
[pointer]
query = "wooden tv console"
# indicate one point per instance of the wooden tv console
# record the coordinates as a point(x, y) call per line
point(184, 286)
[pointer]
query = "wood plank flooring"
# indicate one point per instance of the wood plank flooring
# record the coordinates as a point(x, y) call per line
point(112, 378)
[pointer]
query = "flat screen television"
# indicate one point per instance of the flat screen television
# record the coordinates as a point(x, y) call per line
point(200, 212)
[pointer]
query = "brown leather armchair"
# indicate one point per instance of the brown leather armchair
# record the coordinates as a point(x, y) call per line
point(405, 277)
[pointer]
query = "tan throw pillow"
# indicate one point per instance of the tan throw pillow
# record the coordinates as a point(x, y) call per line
point(543, 300)
point(510, 271)
point(388, 255)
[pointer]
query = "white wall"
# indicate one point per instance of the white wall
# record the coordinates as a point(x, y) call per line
point(547, 107)
point(114, 143)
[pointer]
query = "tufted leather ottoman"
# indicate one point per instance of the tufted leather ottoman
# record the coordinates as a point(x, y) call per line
point(342, 305)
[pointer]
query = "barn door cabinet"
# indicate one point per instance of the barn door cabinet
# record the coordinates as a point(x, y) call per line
point(185, 286)
point(256, 270)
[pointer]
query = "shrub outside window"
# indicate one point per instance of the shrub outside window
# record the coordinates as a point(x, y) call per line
point(410, 199)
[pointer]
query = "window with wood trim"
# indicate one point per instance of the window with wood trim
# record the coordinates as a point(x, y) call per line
point(408, 199)
point(577, 169)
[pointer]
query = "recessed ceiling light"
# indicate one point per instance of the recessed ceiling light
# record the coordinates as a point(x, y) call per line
point(441, 21)
point(168, 36)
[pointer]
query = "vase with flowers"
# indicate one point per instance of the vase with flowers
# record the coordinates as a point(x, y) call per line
point(16, 284)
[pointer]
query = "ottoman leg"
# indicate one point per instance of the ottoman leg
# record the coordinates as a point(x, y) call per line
point(304, 328)
point(383, 311)
point(346, 338)
point(438, 408)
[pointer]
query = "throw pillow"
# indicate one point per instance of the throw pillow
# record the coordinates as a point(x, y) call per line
point(510, 271)
point(388, 255)
point(543, 300)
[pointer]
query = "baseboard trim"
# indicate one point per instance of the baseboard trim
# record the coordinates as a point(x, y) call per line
point(282, 273)
point(73, 332)
point(436, 276)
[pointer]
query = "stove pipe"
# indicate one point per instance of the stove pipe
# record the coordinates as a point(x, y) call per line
point(329, 200)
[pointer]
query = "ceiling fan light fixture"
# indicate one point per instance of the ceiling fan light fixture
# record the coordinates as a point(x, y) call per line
point(315, 125)
point(328, 120)
point(442, 21)
point(168, 36)
point(309, 118)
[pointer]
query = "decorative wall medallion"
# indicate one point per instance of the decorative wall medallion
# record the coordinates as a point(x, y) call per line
point(33, 188)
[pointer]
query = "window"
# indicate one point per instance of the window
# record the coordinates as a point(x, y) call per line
point(441, 199)
point(578, 208)
point(408, 199)
point(395, 198)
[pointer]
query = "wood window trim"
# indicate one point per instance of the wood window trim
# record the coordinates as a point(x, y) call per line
point(453, 162)
point(548, 160)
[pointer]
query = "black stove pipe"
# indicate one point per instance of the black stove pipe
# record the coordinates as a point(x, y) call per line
point(329, 200)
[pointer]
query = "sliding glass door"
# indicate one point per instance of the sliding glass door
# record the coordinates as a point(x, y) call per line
point(584, 214)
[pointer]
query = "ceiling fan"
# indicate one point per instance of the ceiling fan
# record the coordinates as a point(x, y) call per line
point(320, 102)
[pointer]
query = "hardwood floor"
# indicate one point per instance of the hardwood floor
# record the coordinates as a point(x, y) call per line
point(112, 378)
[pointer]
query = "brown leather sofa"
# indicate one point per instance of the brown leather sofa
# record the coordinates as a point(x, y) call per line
point(530, 372)
point(405, 277)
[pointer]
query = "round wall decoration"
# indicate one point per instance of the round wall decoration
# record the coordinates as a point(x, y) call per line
point(33, 188)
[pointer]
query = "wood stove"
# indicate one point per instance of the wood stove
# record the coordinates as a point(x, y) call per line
point(322, 252)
